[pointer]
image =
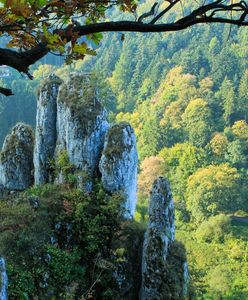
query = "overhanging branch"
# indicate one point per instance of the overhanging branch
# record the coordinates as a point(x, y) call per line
point(22, 60)
point(209, 13)
point(163, 12)
point(6, 92)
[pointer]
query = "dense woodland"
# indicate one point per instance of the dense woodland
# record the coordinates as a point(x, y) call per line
point(186, 96)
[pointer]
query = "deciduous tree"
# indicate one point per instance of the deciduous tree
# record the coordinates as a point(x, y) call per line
point(212, 190)
point(35, 27)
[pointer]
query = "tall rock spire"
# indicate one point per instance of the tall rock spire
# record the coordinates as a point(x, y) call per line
point(81, 123)
point(160, 247)
point(118, 164)
point(45, 133)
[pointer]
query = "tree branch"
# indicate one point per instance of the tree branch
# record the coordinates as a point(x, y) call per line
point(6, 92)
point(208, 13)
point(22, 60)
point(163, 12)
point(148, 14)
point(130, 26)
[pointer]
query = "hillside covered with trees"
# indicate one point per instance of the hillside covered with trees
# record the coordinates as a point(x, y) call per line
point(186, 96)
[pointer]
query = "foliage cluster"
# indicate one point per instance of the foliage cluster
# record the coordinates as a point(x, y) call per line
point(69, 246)
point(217, 256)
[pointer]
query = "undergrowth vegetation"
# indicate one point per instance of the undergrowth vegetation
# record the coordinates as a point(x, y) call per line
point(61, 243)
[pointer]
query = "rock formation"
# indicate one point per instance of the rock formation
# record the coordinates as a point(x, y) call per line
point(3, 280)
point(16, 165)
point(118, 164)
point(81, 123)
point(46, 134)
point(72, 125)
point(159, 249)
point(70, 117)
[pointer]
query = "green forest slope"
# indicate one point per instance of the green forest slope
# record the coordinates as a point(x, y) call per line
point(186, 96)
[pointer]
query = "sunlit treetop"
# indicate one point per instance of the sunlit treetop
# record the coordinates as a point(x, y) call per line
point(32, 28)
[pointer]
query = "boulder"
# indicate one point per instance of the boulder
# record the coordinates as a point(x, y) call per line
point(16, 159)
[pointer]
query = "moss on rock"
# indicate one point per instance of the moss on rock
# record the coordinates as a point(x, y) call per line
point(173, 277)
point(79, 93)
point(47, 85)
point(116, 140)
point(21, 137)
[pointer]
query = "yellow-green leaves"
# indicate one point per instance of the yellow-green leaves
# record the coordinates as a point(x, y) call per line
point(54, 40)
point(28, 23)
point(95, 37)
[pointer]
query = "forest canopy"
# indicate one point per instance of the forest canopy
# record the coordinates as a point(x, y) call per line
point(33, 28)
point(185, 95)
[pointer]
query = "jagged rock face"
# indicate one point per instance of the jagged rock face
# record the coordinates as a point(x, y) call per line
point(3, 280)
point(118, 164)
point(46, 134)
point(16, 164)
point(159, 236)
point(81, 123)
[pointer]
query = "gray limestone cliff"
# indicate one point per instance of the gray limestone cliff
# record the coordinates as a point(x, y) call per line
point(163, 262)
point(118, 164)
point(3, 280)
point(45, 133)
point(16, 158)
point(81, 123)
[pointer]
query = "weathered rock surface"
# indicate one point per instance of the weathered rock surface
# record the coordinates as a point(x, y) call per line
point(16, 165)
point(81, 123)
point(46, 134)
point(118, 164)
point(3, 280)
point(158, 280)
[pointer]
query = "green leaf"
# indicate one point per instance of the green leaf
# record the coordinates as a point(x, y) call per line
point(95, 37)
